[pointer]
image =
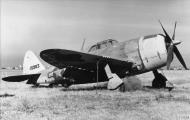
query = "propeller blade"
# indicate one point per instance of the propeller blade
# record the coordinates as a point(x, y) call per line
point(170, 56)
point(173, 37)
point(168, 39)
point(83, 45)
point(177, 53)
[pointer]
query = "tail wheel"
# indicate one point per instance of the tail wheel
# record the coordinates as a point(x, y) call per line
point(65, 85)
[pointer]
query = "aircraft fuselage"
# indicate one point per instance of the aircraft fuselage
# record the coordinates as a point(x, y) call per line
point(148, 53)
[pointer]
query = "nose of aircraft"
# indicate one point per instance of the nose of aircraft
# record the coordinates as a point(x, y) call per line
point(172, 48)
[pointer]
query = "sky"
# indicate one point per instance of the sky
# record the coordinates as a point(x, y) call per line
point(43, 24)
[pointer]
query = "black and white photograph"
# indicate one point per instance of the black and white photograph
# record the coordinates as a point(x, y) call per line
point(95, 59)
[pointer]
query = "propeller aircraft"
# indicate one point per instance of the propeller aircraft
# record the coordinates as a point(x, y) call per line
point(108, 60)
point(113, 61)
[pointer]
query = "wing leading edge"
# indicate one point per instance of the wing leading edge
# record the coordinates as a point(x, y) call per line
point(62, 58)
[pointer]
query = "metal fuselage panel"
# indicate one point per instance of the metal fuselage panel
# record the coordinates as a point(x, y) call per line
point(153, 52)
point(124, 51)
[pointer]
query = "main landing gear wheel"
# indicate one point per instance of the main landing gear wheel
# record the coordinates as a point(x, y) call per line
point(159, 80)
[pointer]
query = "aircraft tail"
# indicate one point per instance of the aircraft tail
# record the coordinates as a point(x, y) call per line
point(32, 64)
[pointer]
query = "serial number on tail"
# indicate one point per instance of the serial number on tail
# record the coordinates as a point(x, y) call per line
point(34, 67)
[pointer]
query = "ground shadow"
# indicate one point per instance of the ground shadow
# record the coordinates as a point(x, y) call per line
point(7, 95)
point(84, 88)
point(45, 86)
point(91, 88)
point(150, 87)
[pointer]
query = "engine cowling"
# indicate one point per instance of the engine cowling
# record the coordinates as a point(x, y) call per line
point(153, 51)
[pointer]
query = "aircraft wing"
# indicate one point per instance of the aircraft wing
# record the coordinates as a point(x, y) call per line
point(62, 58)
point(19, 78)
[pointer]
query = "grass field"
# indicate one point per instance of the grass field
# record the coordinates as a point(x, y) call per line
point(22, 102)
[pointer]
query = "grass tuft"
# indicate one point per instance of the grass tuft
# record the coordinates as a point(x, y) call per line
point(26, 106)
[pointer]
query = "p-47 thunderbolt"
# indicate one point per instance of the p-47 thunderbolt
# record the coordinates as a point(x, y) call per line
point(114, 61)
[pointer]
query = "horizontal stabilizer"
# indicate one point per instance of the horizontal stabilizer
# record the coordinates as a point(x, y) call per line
point(20, 78)
point(114, 82)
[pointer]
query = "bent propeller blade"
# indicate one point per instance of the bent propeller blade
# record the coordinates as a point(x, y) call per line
point(180, 58)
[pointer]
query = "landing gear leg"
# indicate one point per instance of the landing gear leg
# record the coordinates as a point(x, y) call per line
point(159, 80)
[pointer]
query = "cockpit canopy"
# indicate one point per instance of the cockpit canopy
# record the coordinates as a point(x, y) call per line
point(103, 44)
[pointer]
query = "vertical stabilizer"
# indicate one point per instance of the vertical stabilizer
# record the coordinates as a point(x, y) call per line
point(32, 64)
